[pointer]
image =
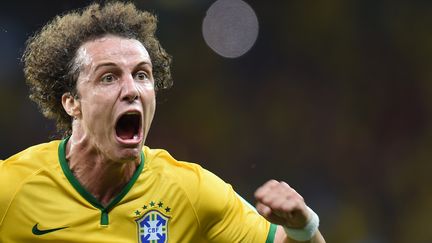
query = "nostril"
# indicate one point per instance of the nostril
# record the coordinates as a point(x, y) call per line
point(130, 98)
point(130, 93)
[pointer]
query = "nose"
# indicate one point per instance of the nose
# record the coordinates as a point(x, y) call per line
point(129, 89)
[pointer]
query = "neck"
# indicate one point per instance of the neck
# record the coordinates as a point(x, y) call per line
point(99, 175)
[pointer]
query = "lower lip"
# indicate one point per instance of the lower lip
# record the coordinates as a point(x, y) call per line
point(129, 142)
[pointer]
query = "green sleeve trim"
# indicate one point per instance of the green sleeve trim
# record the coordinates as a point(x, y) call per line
point(87, 195)
point(272, 233)
point(272, 230)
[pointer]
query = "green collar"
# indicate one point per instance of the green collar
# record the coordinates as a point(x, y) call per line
point(87, 195)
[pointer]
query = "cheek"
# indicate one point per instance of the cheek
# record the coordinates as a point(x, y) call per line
point(150, 102)
point(94, 106)
point(91, 112)
point(147, 94)
point(148, 86)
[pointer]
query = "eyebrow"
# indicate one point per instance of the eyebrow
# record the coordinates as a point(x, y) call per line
point(111, 64)
point(107, 64)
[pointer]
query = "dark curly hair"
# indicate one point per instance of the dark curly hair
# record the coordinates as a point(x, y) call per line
point(49, 58)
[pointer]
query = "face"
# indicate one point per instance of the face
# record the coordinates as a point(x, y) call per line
point(116, 98)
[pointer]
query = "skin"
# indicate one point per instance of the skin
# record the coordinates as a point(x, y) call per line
point(282, 205)
point(115, 78)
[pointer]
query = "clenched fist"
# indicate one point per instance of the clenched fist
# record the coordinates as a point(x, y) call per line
point(280, 204)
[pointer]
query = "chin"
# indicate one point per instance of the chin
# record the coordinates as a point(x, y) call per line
point(129, 155)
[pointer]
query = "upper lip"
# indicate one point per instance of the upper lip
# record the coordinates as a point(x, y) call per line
point(131, 111)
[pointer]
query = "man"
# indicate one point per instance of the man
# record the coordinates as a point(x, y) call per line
point(96, 72)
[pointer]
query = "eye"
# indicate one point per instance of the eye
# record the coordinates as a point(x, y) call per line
point(141, 75)
point(108, 78)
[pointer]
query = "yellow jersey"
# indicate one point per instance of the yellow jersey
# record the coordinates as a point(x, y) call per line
point(165, 201)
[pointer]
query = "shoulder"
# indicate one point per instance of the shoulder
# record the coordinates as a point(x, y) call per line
point(159, 160)
point(190, 175)
point(31, 159)
point(203, 188)
point(15, 170)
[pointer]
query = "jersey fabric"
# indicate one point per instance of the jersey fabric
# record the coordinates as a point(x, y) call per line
point(165, 201)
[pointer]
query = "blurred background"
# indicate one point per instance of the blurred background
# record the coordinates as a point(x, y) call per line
point(335, 98)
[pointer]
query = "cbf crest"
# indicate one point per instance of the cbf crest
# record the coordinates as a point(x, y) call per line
point(153, 225)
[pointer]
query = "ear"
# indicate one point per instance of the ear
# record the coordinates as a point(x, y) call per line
point(71, 105)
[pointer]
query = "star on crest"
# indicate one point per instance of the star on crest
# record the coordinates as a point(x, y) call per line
point(160, 206)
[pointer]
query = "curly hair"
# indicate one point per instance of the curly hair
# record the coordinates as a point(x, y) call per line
point(49, 58)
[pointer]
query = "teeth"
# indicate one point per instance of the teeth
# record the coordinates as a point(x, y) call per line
point(135, 136)
point(131, 113)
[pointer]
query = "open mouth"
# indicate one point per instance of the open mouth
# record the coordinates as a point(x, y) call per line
point(128, 126)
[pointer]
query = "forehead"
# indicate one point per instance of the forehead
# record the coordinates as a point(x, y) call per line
point(112, 49)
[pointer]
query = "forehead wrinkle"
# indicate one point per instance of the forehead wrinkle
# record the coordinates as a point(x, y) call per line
point(130, 47)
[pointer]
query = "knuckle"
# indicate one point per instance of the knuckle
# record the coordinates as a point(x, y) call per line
point(284, 184)
point(258, 193)
point(272, 182)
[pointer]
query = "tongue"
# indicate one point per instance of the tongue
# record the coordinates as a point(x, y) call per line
point(126, 132)
point(126, 127)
